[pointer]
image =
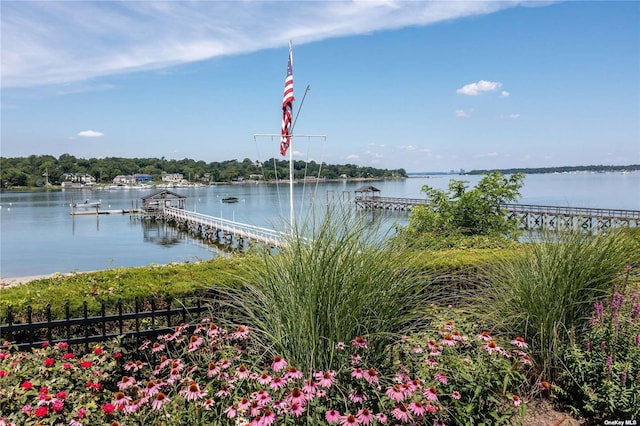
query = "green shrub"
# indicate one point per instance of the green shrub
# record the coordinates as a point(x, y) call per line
point(551, 287)
point(602, 367)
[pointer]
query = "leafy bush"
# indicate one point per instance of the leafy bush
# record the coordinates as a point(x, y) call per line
point(461, 212)
point(550, 289)
point(602, 376)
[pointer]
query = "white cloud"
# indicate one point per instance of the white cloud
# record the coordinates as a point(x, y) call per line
point(511, 116)
point(462, 113)
point(488, 154)
point(353, 157)
point(474, 89)
point(90, 134)
point(505, 94)
point(46, 43)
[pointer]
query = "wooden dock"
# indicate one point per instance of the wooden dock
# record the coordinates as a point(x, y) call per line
point(103, 211)
point(528, 216)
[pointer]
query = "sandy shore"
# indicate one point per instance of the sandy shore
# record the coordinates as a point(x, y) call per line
point(14, 281)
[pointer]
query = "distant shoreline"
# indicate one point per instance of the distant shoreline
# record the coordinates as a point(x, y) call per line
point(563, 169)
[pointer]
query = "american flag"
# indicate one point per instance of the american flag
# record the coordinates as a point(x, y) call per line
point(287, 107)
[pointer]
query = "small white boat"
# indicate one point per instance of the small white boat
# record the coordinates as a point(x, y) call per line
point(87, 204)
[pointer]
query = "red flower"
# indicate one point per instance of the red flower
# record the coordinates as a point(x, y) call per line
point(108, 408)
point(61, 395)
point(42, 411)
point(67, 365)
point(26, 385)
point(117, 355)
point(92, 385)
point(68, 355)
point(2, 373)
point(98, 351)
point(86, 364)
point(45, 344)
point(49, 362)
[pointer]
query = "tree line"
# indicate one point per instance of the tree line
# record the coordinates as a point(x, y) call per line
point(38, 170)
point(563, 169)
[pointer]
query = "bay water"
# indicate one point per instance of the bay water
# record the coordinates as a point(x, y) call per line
point(38, 236)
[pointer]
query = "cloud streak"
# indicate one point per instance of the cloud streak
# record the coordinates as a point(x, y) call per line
point(45, 43)
point(475, 89)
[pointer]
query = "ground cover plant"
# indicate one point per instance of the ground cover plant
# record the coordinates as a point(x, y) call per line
point(205, 375)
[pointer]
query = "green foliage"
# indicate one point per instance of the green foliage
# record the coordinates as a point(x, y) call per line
point(482, 378)
point(173, 280)
point(324, 288)
point(602, 367)
point(57, 385)
point(551, 287)
point(459, 211)
point(29, 171)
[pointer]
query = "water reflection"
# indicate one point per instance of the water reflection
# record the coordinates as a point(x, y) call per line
point(161, 233)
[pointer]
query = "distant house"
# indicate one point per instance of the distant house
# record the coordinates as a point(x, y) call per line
point(173, 177)
point(125, 179)
point(142, 177)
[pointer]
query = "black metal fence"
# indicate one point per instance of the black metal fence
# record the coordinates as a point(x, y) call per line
point(146, 321)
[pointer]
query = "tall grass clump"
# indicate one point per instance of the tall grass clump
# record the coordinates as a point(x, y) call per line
point(323, 288)
point(550, 289)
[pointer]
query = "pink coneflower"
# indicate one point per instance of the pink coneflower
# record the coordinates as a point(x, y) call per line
point(526, 359)
point(448, 326)
point(160, 400)
point(244, 404)
point(309, 388)
point(224, 391)
point(325, 379)
point(194, 343)
point(332, 416)
point(208, 404)
point(417, 350)
point(431, 393)
point(144, 345)
point(264, 378)
point(349, 420)
point(381, 417)
point(261, 397)
point(400, 412)
point(360, 342)
point(296, 409)
point(192, 392)
point(395, 393)
point(340, 346)
point(447, 340)
point(268, 417)
point(120, 401)
point(231, 411)
point(241, 333)
point(432, 345)
point(492, 347)
point(152, 387)
point(458, 337)
point(174, 375)
point(484, 336)
point(132, 407)
point(356, 359)
point(242, 372)
point(432, 362)
point(126, 382)
point(441, 377)
point(365, 416)
point(516, 400)
point(278, 363)
point(357, 373)
point(372, 376)
point(277, 383)
point(296, 396)
point(293, 374)
point(357, 397)
point(157, 347)
point(455, 395)
point(417, 408)
point(519, 342)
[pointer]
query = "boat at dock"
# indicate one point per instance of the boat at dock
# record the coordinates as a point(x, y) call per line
point(87, 205)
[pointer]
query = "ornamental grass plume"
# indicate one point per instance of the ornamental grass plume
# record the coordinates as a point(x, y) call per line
point(550, 289)
point(339, 281)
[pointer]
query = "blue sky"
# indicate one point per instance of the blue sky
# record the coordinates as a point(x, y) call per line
point(426, 86)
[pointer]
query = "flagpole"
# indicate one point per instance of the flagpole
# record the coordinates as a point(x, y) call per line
point(291, 208)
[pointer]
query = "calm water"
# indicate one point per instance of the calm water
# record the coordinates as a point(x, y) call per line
point(38, 236)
